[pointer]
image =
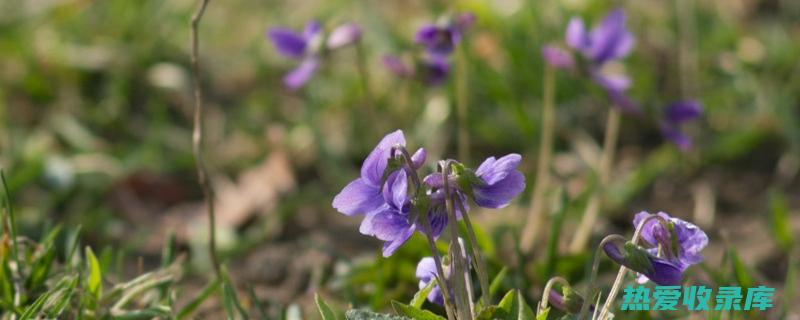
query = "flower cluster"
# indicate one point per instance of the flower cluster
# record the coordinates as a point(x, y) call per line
point(392, 206)
point(307, 47)
point(597, 48)
point(439, 40)
point(672, 246)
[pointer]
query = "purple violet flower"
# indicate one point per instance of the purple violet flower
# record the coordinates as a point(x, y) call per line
point(426, 272)
point(675, 115)
point(681, 244)
point(386, 206)
point(363, 195)
point(298, 46)
point(671, 250)
point(501, 181)
point(391, 223)
point(492, 185)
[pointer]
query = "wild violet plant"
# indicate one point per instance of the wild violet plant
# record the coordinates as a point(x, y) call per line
point(592, 55)
point(396, 202)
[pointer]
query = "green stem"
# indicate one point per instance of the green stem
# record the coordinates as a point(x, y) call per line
point(480, 261)
point(546, 292)
point(535, 215)
point(461, 105)
point(595, 267)
point(622, 270)
point(456, 253)
point(426, 226)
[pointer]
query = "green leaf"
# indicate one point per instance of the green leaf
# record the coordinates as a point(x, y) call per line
point(34, 308)
point(488, 313)
point(740, 271)
point(359, 314)
point(414, 313)
point(422, 294)
point(324, 310)
point(197, 301)
point(95, 275)
point(498, 281)
point(513, 307)
point(231, 300)
point(543, 315)
point(781, 226)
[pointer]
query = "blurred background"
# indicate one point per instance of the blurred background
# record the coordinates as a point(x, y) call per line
point(96, 120)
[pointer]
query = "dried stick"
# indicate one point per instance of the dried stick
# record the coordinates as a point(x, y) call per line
point(197, 141)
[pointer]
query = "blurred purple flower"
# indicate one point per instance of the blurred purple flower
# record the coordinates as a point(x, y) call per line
point(557, 57)
point(344, 35)
point(397, 66)
point(300, 47)
point(437, 39)
point(608, 41)
point(676, 115)
point(436, 69)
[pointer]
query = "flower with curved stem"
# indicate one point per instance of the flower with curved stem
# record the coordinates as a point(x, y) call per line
point(493, 185)
point(675, 115)
point(674, 246)
point(661, 271)
point(680, 243)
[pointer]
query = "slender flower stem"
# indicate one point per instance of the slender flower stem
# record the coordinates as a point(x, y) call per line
point(535, 215)
point(426, 226)
point(480, 261)
point(456, 253)
point(595, 267)
point(622, 269)
point(546, 292)
point(604, 174)
point(197, 140)
point(442, 281)
point(461, 105)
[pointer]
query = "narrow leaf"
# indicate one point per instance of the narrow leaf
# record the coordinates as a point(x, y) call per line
point(324, 309)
